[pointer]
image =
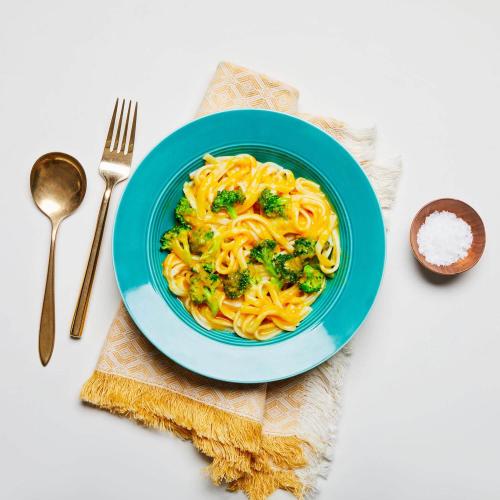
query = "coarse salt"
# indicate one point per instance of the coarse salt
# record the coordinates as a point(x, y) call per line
point(444, 238)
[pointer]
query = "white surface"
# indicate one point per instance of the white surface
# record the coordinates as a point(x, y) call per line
point(422, 412)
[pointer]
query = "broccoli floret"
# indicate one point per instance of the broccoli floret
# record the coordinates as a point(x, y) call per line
point(182, 209)
point(272, 204)
point(169, 237)
point(264, 254)
point(212, 248)
point(313, 262)
point(196, 290)
point(176, 240)
point(208, 267)
point(236, 284)
point(200, 239)
point(289, 267)
point(211, 275)
point(312, 280)
point(202, 288)
point(304, 247)
point(226, 200)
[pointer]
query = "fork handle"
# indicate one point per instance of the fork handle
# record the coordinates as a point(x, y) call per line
point(83, 300)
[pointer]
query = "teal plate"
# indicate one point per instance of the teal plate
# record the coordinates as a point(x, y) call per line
point(146, 211)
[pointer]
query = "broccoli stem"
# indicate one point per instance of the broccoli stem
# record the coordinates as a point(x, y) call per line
point(211, 301)
point(276, 282)
point(269, 267)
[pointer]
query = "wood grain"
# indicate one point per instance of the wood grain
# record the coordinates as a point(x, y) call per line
point(465, 212)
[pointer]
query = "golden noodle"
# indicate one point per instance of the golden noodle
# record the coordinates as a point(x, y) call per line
point(265, 309)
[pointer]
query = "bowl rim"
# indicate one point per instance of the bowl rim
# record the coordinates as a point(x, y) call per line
point(312, 346)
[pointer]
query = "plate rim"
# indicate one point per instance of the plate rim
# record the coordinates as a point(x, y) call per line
point(137, 321)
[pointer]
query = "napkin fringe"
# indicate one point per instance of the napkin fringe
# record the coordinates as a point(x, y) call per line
point(259, 486)
point(284, 451)
point(322, 412)
point(242, 457)
point(360, 142)
point(258, 482)
point(257, 475)
point(385, 177)
point(160, 408)
point(228, 463)
point(231, 463)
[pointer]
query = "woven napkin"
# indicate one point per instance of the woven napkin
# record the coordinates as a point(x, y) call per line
point(259, 438)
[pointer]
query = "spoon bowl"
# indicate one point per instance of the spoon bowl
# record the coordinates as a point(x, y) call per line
point(58, 184)
point(465, 212)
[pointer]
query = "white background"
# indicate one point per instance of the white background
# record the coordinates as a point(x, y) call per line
point(422, 407)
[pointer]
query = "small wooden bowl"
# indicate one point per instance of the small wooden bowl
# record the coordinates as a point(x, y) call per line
point(465, 212)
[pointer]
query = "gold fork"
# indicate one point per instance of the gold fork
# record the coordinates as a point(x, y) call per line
point(114, 168)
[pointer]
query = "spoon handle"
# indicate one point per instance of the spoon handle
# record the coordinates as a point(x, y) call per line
point(83, 299)
point(47, 320)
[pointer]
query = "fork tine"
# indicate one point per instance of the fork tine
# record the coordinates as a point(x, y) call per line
point(124, 140)
point(117, 137)
point(111, 127)
point(132, 132)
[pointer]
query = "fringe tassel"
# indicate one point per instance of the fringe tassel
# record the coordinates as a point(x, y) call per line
point(321, 409)
point(261, 485)
point(163, 409)
point(360, 142)
point(243, 458)
point(385, 179)
point(286, 452)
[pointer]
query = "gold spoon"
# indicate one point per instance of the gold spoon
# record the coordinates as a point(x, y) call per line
point(58, 184)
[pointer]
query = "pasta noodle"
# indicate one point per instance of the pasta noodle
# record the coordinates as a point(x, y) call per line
point(234, 208)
